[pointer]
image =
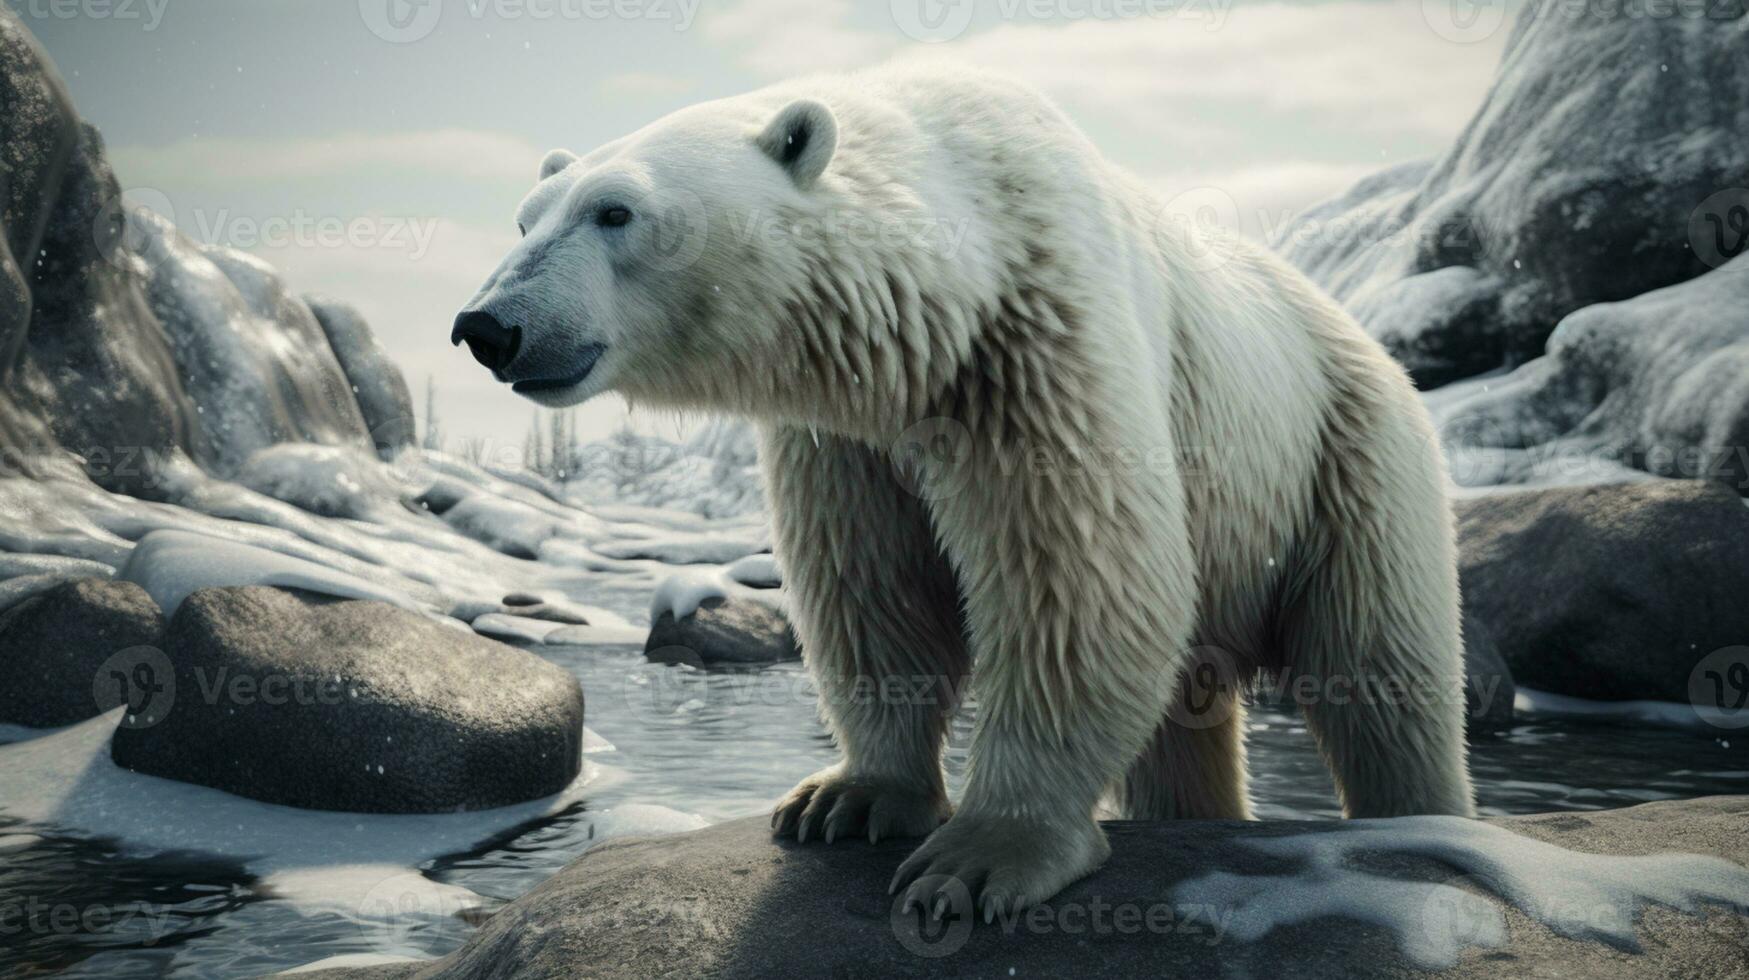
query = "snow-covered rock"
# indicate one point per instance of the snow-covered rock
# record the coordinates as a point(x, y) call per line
point(381, 391)
point(757, 572)
point(171, 565)
point(722, 631)
point(332, 481)
point(1654, 890)
point(354, 706)
point(713, 473)
point(1659, 383)
point(122, 344)
point(509, 526)
point(1586, 176)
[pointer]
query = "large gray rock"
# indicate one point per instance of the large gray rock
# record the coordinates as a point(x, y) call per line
point(1613, 592)
point(1658, 383)
point(1584, 177)
point(729, 902)
point(54, 644)
point(377, 383)
point(82, 365)
point(723, 631)
point(1488, 685)
point(350, 705)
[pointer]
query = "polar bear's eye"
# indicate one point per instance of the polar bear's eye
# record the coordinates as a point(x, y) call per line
point(613, 217)
point(521, 230)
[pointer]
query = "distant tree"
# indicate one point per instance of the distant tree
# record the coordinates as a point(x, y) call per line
point(534, 457)
point(433, 431)
point(634, 459)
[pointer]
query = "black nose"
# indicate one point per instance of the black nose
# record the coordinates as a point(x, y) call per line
point(492, 343)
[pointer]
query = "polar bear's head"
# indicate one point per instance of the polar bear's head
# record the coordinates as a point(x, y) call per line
point(641, 268)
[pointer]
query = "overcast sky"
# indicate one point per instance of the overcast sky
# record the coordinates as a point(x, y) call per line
point(416, 125)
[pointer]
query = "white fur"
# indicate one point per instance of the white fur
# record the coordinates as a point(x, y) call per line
point(1265, 490)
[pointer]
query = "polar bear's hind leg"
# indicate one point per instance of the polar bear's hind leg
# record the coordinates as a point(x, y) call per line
point(1376, 618)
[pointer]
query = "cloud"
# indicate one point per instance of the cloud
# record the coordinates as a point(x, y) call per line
point(792, 37)
point(1263, 199)
point(1371, 66)
point(465, 153)
point(1365, 65)
point(643, 85)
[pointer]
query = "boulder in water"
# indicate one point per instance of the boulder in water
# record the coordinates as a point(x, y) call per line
point(53, 647)
point(1612, 592)
point(346, 705)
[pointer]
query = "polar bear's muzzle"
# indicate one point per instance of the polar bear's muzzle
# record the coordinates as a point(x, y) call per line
point(587, 355)
point(497, 348)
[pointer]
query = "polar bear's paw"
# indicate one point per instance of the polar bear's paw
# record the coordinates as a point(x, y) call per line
point(1000, 864)
point(833, 805)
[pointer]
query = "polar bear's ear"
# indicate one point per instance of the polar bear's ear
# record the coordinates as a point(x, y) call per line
point(556, 160)
point(801, 139)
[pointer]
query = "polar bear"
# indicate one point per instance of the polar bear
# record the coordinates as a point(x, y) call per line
point(1012, 416)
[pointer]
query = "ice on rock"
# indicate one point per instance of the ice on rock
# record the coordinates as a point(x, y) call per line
point(14, 565)
point(170, 565)
point(15, 590)
point(681, 594)
point(1580, 896)
point(757, 571)
point(1651, 714)
point(684, 548)
point(329, 481)
point(508, 526)
point(505, 626)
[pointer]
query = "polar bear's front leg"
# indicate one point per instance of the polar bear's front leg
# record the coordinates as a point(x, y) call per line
point(1080, 596)
point(877, 611)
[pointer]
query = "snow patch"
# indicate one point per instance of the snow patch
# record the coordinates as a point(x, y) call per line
point(171, 565)
point(1656, 714)
point(1588, 897)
